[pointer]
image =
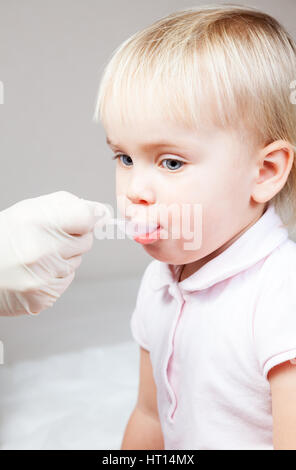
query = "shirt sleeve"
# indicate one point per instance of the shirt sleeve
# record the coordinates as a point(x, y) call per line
point(274, 325)
point(137, 321)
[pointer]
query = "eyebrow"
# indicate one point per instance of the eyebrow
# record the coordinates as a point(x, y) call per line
point(147, 145)
point(109, 142)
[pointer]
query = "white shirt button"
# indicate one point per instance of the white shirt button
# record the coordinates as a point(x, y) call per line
point(171, 290)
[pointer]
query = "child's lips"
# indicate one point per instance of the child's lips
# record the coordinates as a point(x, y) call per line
point(140, 228)
point(143, 232)
point(150, 237)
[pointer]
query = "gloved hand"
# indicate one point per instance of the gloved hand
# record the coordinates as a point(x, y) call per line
point(41, 243)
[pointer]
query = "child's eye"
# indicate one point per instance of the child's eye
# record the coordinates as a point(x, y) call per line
point(121, 155)
point(174, 163)
point(173, 166)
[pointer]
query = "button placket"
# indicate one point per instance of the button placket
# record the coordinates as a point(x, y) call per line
point(176, 293)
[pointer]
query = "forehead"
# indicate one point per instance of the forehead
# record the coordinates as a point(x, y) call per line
point(131, 125)
point(151, 132)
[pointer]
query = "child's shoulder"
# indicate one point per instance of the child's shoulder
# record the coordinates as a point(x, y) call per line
point(277, 283)
point(274, 316)
point(282, 261)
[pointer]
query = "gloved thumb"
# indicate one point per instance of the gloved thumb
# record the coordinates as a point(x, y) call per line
point(101, 211)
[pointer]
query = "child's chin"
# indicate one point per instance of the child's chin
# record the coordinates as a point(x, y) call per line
point(162, 254)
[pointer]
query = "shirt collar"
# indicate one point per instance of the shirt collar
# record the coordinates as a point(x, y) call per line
point(254, 244)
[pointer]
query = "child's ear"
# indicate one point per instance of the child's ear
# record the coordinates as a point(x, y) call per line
point(273, 166)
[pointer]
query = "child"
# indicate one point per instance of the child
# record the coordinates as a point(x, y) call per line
point(198, 109)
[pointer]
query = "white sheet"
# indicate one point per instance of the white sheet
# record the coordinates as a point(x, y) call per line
point(78, 400)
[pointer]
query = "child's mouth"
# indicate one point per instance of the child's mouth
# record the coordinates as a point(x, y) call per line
point(148, 237)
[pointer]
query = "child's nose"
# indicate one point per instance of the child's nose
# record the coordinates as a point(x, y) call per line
point(141, 192)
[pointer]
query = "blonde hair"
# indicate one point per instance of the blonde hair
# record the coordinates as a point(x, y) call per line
point(226, 65)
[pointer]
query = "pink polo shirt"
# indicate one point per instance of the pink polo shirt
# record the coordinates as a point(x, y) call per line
point(214, 336)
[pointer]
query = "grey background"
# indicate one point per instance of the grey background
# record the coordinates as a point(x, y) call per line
point(52, 54)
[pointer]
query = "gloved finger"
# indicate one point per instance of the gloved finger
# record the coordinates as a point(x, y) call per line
point(98, 208)
point(69, 213)
point(81, 218)
point(35, 301)
point(77, 219)
point(77, 245)
point(69, 266)
point(75, 262)
point(42, 299)
point(100, 211)
point(62, 284)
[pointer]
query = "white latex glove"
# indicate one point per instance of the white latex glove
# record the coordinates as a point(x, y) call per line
point(41, 243)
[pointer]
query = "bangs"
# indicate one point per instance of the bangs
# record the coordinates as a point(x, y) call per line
point(190, 83)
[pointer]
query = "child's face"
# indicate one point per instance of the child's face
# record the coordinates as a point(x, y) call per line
point(217, 172)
